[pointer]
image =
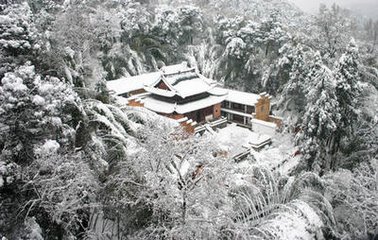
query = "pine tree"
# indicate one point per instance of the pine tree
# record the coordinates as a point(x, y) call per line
point(347, 76)
point(18, 36)
point(294, 92)
point(321, 118)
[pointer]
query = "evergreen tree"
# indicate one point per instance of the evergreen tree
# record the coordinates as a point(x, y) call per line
point(321, 118)
point(347, 75)
point(294, 92)
point(18, 36)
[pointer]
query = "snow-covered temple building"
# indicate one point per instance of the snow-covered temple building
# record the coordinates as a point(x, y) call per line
point(182, 93)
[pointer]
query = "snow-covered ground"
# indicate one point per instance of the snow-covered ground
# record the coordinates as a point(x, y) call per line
point(235, 139)
point(276, 156)
point(279, 155)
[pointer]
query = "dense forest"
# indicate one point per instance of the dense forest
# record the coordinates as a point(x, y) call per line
point(74, 164)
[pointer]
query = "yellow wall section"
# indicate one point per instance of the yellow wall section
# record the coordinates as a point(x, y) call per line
point(263, 107)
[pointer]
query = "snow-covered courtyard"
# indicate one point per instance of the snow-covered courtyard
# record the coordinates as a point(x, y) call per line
point(276, 156)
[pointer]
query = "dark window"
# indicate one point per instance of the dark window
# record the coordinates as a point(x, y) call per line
point(238, 119)
point(250, 109)
point(237, 106)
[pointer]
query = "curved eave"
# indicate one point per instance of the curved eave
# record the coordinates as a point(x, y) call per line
point(193, 93)
point(200, 104)
point(168, 108)
point(158, 106)
point(160, 92)
point(218, 91)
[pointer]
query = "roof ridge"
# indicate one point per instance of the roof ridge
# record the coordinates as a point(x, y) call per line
point(179, 71)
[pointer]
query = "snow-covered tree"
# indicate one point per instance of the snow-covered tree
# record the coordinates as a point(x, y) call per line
point(371, 31)
point(168, 192)
point(293, 95)
point(334, 28)
point(17, 32)
point(63, 190)
point(32, 107)
point(18, 36)
point(347, 74)
point(354, 197)
point(180, 25)
point(321, 118)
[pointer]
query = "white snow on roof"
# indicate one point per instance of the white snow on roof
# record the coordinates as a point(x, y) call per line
point(181, 79)
point(209, 81)
point(218, 91)
point(187, 81)
point(160, 92)
point(166, 107)
point(128, 84)
point(184, 82)
point(191, 87)
point(249, 99)
point(158, 106)
point(173, 78)
point(200, 104)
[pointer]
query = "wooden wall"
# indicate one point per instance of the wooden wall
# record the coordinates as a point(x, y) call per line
point(134, 103)
point(217, 110)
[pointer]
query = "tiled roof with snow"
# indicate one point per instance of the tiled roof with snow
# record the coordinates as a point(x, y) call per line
point(129, 84)
point(160, 106)
point(244, 98)
point(160, 92)
point(218, 91)
point(191, 87)
point(184, 81)
point(199, 104)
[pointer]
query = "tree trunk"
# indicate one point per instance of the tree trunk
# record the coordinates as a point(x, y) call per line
point(183, 207)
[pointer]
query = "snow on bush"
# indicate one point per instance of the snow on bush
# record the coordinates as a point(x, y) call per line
point(33, 229)
point(48, 148)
